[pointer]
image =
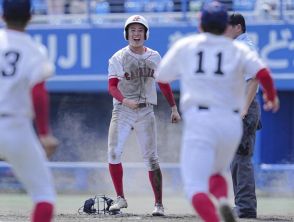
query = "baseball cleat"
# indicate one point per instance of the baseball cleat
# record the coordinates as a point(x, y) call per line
point(158, 210)
point(119, 203)
point(226, 211)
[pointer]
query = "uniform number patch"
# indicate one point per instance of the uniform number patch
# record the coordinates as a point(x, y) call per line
point(218, 70)
point(10, 60)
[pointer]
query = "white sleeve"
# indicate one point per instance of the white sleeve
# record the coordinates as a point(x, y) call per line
point(157, 59)
point(41, 67)
point(115, 69)
point(251, 60)
point(252, 64)
point(170, 66)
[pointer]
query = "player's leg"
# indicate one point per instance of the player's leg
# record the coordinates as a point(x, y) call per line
point(228, 140)
point(197, 161)
point(28, 161)
point(119, 130)
point(218, 186)
point(146, 133)
point(196, 166)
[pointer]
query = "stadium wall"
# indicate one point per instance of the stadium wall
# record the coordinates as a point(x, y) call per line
point(80, 86)
point(81, 107)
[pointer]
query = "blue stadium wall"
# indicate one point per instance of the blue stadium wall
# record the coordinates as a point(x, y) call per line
point(79, 88)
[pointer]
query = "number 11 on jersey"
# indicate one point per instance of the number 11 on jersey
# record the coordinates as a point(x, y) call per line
point(200, 70)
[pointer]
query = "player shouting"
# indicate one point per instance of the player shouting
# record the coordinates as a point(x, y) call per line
point(133, 87)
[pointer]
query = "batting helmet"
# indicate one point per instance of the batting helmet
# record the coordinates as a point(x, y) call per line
point(16, 9)
point(138, 19)
point(214, 15)
point(100, 204)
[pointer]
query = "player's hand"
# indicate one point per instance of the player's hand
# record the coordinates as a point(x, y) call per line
point(49, 143)
point(130, 103)
point(244, 113)
point(175, 116)
point(271, 105)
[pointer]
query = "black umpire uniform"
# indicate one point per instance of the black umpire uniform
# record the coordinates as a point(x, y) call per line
point(242, 168)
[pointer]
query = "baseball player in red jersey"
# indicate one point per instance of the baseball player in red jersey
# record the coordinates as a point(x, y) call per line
point(212, 69)
point(24, 65)
point(133, 87)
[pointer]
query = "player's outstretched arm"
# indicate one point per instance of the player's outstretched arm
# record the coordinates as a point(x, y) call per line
point(168, 94)
point(270, 97)
point(41, 108)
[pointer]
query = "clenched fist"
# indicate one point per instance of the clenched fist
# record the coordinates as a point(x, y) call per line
point(175, 116)
point(49, 143)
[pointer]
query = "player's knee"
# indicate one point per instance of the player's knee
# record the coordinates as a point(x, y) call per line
point(190, 191)
point(114, 157)
point(48, 195)
point(152, 163)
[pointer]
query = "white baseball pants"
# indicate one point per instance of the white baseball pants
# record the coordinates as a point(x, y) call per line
point(142, 120)
point(21, 148)
point(210, 139)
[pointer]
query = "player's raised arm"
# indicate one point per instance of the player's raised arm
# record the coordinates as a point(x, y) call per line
point(167, 92)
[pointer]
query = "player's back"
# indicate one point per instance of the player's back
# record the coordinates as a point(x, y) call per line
point(214, 73)
point(23, 63)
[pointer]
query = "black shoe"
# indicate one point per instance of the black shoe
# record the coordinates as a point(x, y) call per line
point(247, 216)
point(244, 213)
point(226, 212)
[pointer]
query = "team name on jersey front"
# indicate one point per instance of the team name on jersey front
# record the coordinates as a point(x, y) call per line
point(141, 72)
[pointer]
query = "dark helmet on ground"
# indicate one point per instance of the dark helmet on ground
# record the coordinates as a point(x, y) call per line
point(16, 9)
point(214, 16)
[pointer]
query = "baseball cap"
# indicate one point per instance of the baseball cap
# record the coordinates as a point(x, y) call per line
point(214, 14)
point(16, 8)
point(236, 18)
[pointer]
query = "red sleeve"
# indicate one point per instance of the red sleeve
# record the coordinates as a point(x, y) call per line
point(41, 108)
point(267, 83)
point(113, 90)
point(167, 92)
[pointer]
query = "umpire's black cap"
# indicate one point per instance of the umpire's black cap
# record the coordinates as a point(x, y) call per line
point(236, 18)
point(16, 9)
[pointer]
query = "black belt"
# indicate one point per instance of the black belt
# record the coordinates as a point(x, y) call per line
point(207, 108)
point(143, 105)
point(5, 115)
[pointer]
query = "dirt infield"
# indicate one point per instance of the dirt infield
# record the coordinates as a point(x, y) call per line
point(16, 208)
point(136, 217)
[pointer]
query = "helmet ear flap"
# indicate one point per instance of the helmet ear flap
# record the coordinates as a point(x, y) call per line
point(147, 34)
point(126, 34)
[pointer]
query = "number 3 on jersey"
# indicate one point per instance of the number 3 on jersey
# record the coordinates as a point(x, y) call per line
point(10, 59)
point(218, 70)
